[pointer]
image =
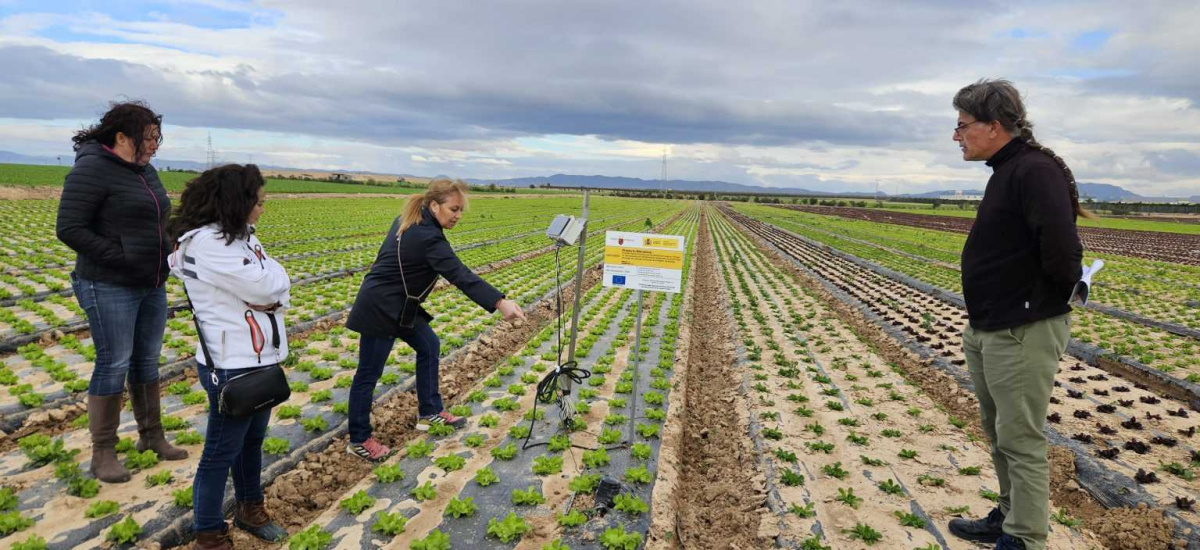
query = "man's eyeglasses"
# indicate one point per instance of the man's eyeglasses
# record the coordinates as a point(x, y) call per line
point(958, 130)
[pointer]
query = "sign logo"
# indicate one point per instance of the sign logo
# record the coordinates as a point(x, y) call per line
point(618, 279)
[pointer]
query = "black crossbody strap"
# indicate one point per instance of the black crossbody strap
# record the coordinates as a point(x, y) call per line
point(195, 318)
point(399, 235)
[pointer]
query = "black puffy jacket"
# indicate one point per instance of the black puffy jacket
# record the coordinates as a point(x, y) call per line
point(426, 254)
point(113, 214)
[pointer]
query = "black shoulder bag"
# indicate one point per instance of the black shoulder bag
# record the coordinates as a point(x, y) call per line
point(244, 394)
point(412, 304)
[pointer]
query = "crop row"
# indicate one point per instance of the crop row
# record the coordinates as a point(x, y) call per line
point(317, 405)
point(44, 378)
point(517, 471)
point(859, 455)
point(1130, 427)
point(1155, 347)
point(1161, 290)
point(1177, 248)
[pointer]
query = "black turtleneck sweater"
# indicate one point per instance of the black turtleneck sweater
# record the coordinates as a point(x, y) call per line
point(1023, 255)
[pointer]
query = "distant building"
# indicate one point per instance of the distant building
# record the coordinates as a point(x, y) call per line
point(340, 177)
point(960, 196)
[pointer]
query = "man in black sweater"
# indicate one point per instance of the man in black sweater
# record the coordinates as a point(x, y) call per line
point(1019, 265)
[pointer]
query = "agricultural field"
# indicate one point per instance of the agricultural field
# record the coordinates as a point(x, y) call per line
point(805, 390)
point(1169, 223)
point(33, 175)
point(1164, 241)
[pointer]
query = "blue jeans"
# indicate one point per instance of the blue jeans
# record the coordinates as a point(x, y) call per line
point(231, 446)
point(127, 325)
point(372, 357)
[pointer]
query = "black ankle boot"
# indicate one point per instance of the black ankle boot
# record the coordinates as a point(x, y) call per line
point(988, 529)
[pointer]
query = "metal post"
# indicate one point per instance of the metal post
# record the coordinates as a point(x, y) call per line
point(637, 339)
point(565, 383)
point(637, 358)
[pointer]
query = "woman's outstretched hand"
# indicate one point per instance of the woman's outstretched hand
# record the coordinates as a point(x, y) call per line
point(510, 310)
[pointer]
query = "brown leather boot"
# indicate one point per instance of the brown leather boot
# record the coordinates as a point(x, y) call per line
point(252, 518)
point(104, 416)
point(214, 540)
point(147, 410)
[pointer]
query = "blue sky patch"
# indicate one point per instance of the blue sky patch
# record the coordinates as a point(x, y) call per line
point(1091, 40)
point(195, 14)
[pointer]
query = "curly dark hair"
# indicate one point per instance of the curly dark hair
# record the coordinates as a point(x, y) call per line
point(131, 118)
point(224, 195)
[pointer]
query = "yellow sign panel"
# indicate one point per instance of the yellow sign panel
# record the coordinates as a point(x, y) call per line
point(643, 257)
point(661, 242)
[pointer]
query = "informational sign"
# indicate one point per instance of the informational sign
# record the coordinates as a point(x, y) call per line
point(643, 261)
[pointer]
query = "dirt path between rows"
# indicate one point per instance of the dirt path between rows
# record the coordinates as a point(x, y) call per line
point(720, 501)
point(27, 192)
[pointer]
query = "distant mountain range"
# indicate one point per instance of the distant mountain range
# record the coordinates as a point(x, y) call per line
point(1097, 191)
point(613, 182)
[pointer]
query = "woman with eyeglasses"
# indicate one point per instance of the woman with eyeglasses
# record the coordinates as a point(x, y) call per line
point(113, 214)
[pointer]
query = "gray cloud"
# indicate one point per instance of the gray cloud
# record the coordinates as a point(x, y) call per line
point(46, 84)
point(862, 79)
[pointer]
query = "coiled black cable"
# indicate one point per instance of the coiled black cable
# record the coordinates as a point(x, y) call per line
point(548, 389)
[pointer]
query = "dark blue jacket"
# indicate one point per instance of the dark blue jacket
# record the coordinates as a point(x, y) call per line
point(113, 214)
point(426, 254)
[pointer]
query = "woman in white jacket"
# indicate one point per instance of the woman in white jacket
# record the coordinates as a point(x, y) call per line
point(238, 294)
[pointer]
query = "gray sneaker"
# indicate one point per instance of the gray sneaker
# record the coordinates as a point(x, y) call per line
point(444, 418)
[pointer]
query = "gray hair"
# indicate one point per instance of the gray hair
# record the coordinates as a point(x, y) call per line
point(999, 101)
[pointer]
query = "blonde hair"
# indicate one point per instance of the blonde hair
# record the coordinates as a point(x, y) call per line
point(439, 191)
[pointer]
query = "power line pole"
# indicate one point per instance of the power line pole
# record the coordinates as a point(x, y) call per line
point(212, 155)
point(662, 176)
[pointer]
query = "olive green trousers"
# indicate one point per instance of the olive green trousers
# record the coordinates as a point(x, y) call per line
point(1013, 371)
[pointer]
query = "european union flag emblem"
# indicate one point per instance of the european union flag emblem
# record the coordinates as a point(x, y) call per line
point(618, 279)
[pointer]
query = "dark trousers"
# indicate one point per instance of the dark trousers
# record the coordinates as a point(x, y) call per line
point(231, 446)
point(372, 357)
point(127, 325)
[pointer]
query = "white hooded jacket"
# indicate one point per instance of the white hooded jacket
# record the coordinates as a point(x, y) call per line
point(222, 279)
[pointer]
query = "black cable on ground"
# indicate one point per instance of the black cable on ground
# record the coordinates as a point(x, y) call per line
point(548, 389)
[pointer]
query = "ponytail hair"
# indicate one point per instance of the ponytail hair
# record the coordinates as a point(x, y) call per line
point(439, 191)
point(999, 101)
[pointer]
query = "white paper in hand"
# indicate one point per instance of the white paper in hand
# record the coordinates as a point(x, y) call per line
point(1085, 283)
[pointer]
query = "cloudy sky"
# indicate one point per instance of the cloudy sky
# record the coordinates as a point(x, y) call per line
point(791, 93)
